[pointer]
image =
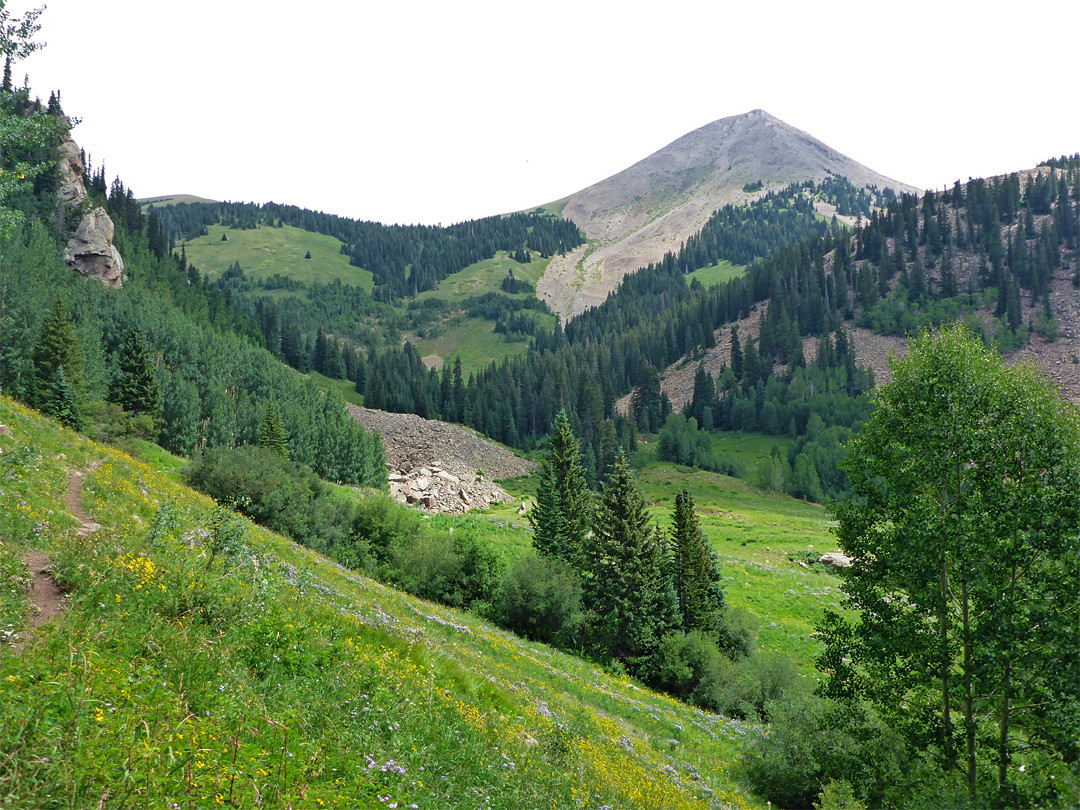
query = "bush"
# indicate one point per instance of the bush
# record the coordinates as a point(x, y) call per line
point(459, 571)
point(745, 689)
point(811, 742)
point(539, 597)
point(684, 660)
point(268, 488)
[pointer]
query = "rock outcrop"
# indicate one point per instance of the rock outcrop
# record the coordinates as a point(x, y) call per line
point(441, 467)
point(72, 191)
point(91, 251)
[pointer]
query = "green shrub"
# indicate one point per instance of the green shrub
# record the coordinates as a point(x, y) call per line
point(539, 597)
point(811, 741)
point(457, 570)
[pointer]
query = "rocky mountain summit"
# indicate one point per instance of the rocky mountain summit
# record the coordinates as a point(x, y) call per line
point(636, 216)
point(441, 467)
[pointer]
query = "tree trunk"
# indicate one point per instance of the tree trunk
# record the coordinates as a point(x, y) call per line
point(1006, 696)
point(969, 698)
point(946, 664)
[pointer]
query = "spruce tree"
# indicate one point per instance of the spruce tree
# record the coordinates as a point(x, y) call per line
point(628, 586)
point(272, 432)
point(560, 519)
point(57, 345)
point(697, 571)
point(135, 386)
point(60, 400)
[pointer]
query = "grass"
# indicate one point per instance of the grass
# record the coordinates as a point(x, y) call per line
point(474, 340)
point(486, 276)
point(716, 273)
point(346, 387)
point(754, 532)
point(202, 661)
point(173, 199)
point(263, 252)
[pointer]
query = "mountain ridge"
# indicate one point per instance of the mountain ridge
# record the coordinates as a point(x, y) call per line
point(650, 208)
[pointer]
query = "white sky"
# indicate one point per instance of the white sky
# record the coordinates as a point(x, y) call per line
point(406, 111)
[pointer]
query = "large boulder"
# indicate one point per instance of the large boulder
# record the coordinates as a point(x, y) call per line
point(835, 559)
point(91, 252)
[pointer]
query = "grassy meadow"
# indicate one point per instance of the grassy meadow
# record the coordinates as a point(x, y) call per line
point(263, 252)
point(474, 340)
point(204, 662)
point(716, 273)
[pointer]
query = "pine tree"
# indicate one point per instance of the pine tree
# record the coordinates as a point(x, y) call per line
point(321, 356)
point(135, 386)
point(697, 571)
point(57, 345)
point(60, 400)
point(560, 518)
point(628, 586)
point(272, 432)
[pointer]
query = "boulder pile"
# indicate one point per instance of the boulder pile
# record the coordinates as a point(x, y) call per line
point(441, 467)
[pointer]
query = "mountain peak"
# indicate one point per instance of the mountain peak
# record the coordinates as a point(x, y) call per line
point(636, 216)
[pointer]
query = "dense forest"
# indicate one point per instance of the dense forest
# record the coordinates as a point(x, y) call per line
point(405, 259)
point(167, 357)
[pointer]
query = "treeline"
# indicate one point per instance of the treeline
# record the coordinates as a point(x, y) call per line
point(853, 201)
point(404, 259)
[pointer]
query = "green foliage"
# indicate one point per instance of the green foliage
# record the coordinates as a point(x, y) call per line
point(681, 442)
point(456, 569)
point(272, 432)
point(134, 384)
point(57, 346)
point(560, 518)
point(838, 795)
point(964, 535)
point(61, 400)
point(627, 586)
point(696, 571)
point(539, 597)
point(811, 742)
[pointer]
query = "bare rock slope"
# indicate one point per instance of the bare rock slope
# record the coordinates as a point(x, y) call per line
point(438, 466)
point(636, 216)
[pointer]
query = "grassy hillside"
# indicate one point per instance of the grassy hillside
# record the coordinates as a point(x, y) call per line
point(716, 273)
point(475, 340)
point(201, 661)
point(263, 252)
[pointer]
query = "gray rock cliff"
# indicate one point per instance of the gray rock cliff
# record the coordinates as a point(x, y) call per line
point(91, 251)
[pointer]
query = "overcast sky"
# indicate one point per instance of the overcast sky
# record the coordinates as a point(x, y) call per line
point(442, 111)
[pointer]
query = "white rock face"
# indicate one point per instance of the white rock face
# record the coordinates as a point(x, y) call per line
point(91, 252)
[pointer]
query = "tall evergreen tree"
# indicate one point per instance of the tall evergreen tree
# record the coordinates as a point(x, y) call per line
point(697, 571)
point(628, 587)
point(61, 400)
point(560, 519)
point(272, 432)
point(57, 345)
point(134, 386)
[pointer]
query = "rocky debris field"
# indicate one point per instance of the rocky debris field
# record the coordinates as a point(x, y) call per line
point(441, 467)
